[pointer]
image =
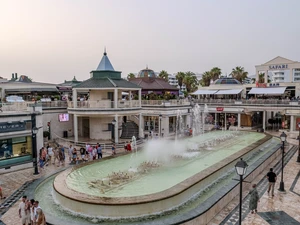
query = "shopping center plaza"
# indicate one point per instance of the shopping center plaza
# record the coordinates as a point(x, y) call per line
point(181, 169)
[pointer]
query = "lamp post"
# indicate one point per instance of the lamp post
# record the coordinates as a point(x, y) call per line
point(283, 138)
point(113, 123)
point(298, 159)
point(241, 168)
point(160, 116)
point(34, 131)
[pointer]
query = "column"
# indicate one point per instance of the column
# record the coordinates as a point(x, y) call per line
point(264, 120)
point(216, 118)
point(291, 76)
point(239, 120)
point(130, 100)
point(266, 77)
point(116, 98)
point(74, 98)
point(257, 75)
point(140, 97)
point(141, 133)
point(225, 122)
point(75, 120)
point(116, 129)
point(292, 125)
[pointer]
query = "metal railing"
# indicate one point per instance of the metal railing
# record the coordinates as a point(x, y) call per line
point(104, 104)
point(165, 103)
point(247, 102)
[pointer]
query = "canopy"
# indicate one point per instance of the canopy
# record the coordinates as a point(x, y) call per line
point(204, 92)
point(229, 92)
point(268, 91)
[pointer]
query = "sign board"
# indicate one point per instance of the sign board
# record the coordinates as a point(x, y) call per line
point(278, 67)
point(220, 109)
point(13, 126)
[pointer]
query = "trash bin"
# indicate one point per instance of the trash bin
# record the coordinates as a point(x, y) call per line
point(65, 134)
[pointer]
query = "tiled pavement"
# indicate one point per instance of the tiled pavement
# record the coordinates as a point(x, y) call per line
point(288, 202)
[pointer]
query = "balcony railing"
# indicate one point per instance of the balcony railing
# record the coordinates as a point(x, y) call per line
point(104, 104)
point(13, 106)
point(247, 102)
point(165, 103)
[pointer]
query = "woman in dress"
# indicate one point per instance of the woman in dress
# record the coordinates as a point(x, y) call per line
point(41, 219)
point(254, 199)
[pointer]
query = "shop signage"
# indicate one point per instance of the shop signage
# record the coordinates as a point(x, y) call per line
point(13, 126)
point(278, 67)
point(220, 109)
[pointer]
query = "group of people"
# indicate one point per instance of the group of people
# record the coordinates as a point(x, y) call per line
point(254, 197)
point(46, 155)
point(31, 213)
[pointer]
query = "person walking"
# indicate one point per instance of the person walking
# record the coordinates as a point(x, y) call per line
point(254, 199)
point(22, 210)
point(113, 149)
point(272, 179)
point(99, 151)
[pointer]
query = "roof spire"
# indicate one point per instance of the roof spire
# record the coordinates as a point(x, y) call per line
point(105, 51)
point(146, 66)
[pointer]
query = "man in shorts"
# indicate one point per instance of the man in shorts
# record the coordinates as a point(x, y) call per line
point(82, 153)
point(272, 179)
point(22, 212)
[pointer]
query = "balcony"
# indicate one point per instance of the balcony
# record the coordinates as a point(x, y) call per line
point(165, 103)
point(259, 102)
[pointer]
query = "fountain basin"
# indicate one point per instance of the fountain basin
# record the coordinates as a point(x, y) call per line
point(137, 204)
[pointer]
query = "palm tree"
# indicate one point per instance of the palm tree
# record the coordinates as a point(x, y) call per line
point(215, 73)
point(261, 77)
point(164, 74)
point(190, 81)
point(239, 73)
point(180, 77)
point(206, 77)
point(130, 75)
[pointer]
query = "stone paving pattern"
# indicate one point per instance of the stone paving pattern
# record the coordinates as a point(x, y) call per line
point(287, 202)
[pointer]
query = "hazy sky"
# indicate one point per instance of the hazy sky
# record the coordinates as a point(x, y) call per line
point(54, 40)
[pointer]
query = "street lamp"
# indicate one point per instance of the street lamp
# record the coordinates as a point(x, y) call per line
point(298, 159)
point(241, 168)
point(283, 138)
point(113, 123)
point(34, 131)
point(160, 116)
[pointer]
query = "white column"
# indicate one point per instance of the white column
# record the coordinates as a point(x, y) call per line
point(225, 121)
point(130, 100)
point(266, 76)
point(116, 98)
point(74, 98)
point(291, 75)
point(216, 117)
point(75, 128)
point(292, 126)
point(141, 135)
point(239, 120)
point(257, 75)
point(116, 129)
point(140, 97)
point(264, 120)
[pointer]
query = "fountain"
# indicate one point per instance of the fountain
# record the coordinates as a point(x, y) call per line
point(166, 177)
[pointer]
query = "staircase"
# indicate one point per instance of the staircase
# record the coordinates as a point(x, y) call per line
point(129, 129)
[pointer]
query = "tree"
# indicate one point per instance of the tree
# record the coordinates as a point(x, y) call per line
point(215, 73)
point(164, 75)
point(180, 76)
point(261, 77)
point(190, 81)
point(206, 77)
point(130, 75)
point(239, 73)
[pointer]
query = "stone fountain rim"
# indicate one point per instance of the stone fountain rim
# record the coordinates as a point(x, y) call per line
point(61, 187)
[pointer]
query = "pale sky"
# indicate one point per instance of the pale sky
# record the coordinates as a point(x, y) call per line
point(54, 40)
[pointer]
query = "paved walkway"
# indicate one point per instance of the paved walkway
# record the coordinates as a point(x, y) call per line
point(271, 210)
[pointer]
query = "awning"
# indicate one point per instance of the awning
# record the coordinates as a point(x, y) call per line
point(204, 92)
point(267, 91)
point(229, 92)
